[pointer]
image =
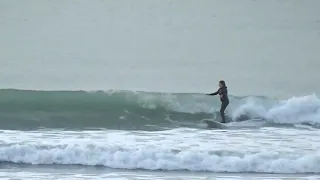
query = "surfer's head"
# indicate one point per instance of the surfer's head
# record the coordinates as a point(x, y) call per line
point(222, 84)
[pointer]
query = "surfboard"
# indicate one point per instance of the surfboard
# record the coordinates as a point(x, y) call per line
point(217, 118)
point(214, 124)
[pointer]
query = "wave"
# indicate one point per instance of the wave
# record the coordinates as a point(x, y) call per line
point(156, 158)
point(27, 109)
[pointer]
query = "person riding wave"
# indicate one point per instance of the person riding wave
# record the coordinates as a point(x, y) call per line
point(223, 92)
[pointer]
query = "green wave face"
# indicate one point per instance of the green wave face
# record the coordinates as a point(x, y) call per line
point(127, 110)
point(24, 109)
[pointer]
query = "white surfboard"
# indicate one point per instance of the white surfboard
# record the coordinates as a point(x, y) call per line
point(214, 124)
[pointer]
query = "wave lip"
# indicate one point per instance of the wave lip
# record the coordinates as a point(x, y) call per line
point(155, 158)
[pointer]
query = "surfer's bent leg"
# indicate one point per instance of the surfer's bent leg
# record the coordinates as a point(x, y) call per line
point(222, 109)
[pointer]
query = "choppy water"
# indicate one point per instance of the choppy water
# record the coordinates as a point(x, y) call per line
point(115, 89)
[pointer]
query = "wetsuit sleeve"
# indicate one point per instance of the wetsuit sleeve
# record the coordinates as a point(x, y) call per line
point(215, 93)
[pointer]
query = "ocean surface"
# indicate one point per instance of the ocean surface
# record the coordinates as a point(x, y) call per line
point(115, 89)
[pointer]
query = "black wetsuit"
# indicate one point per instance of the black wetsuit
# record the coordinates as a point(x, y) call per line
point(224, 101)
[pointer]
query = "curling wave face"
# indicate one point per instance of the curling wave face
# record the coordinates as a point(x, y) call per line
point(26, 109)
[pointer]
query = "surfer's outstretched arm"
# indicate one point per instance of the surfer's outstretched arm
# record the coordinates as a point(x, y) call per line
point(212, 94)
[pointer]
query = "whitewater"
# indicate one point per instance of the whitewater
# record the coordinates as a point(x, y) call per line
point(115, 89)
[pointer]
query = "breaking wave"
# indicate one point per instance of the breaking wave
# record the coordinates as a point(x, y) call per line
point(27, 109)
point(156, 158)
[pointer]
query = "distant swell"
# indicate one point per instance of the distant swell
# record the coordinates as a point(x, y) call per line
point(22, 109)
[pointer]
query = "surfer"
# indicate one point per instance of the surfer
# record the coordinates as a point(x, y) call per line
point(223, 92)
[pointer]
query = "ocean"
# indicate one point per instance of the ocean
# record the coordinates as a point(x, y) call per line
point(107, 89)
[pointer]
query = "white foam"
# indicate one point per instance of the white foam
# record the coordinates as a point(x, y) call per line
point(267, 150)
point(296, 110)
point(155, 158)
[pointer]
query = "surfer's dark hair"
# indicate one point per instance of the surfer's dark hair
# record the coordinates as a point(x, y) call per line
point(223, 83)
